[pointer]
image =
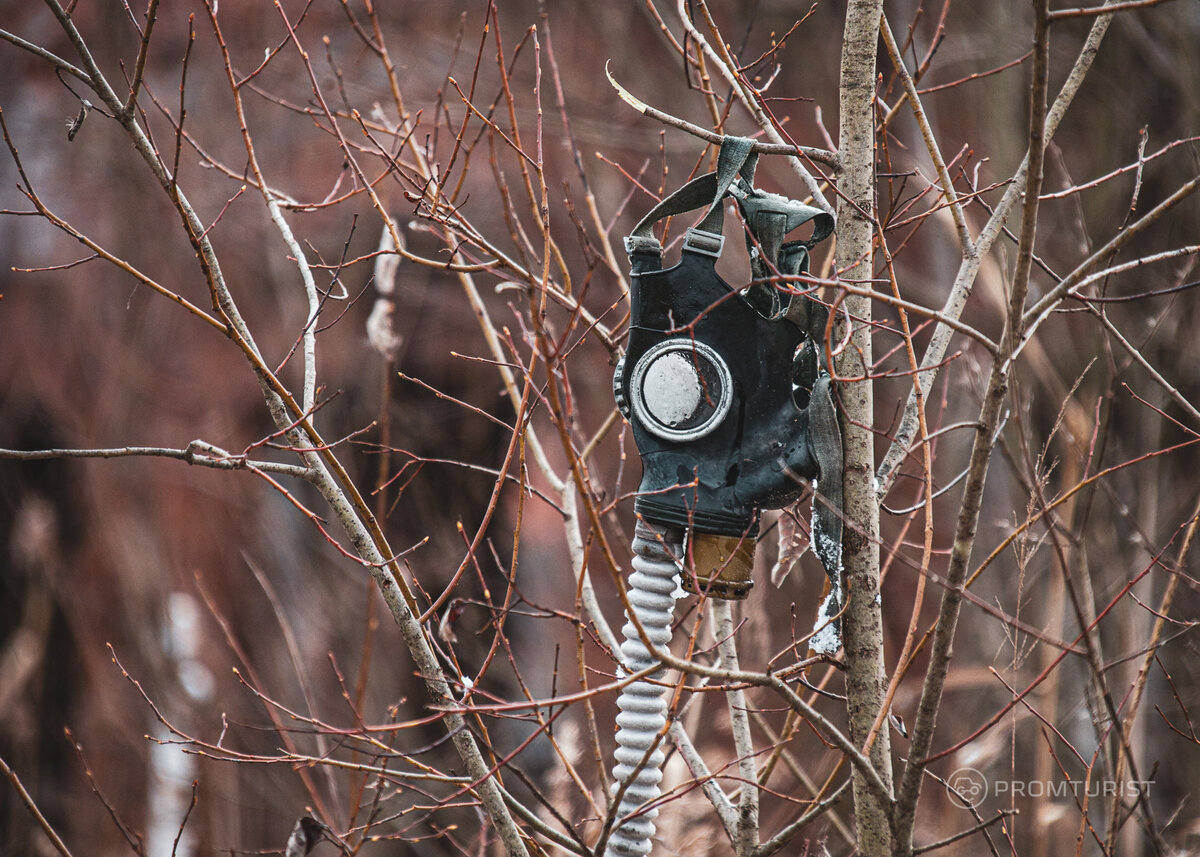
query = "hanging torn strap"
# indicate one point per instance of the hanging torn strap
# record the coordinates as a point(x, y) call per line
point(827, 449)
point(769, 218)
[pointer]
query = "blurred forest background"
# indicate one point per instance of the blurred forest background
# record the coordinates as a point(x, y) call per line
point(252, 632)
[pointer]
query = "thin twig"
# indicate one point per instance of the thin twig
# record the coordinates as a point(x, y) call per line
point(746, 840)
point(821, 156)
point(197, 453)
point(1090, 11)
point(964, 281)
point(931, 145)
point(989, 417)
point(31, 805)
point(39, 51)
point(139, 69)
point(728, 69)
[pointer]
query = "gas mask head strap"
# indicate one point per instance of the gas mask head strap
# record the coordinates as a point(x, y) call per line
point(735, 163)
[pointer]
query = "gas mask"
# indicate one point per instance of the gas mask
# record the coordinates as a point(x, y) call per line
point(725, 388)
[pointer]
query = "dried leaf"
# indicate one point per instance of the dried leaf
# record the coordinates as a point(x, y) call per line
point(793, 544)
point(305, 836)
point(454, 611)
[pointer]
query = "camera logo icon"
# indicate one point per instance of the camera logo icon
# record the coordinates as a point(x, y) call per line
point(968, 786)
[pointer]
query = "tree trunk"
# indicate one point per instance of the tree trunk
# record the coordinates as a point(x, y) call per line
point(863, 620)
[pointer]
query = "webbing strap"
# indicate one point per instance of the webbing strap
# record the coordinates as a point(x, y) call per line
point(735, 159)
point(826, 440)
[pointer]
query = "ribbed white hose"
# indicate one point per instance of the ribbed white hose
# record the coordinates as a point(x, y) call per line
point(653, 588)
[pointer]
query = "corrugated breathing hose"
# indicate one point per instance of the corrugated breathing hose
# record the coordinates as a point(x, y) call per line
point(653, 589)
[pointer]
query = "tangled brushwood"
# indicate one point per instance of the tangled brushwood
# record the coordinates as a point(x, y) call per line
point(322, 533)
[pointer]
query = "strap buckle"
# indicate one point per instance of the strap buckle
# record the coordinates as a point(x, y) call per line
point(704, 242)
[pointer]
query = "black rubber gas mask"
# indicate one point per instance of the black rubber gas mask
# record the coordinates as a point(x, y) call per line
point(724, 387)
